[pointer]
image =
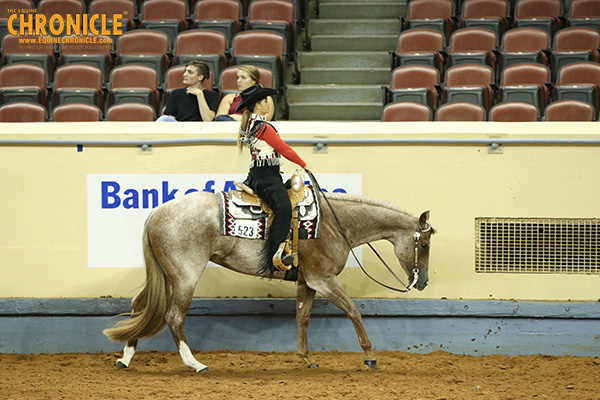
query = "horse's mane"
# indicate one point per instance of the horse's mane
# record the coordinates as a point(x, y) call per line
point(354, 198)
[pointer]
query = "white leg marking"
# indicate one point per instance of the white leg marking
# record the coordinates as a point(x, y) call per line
point(188, 358)
point(128, 353)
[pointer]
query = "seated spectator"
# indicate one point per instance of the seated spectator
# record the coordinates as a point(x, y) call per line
point(192, 103)
point(247, 75)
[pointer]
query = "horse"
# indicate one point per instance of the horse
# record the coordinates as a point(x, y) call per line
point(182, 235)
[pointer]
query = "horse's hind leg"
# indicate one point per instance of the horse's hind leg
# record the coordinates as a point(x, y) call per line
point(304, 302)
point(128, 353)
point(175, 318)
point(131, 345)
point(333, 291)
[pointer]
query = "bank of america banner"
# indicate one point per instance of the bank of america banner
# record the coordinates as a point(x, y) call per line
point(118, 205)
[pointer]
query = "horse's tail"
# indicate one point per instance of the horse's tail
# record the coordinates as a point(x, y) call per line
point(150, 306)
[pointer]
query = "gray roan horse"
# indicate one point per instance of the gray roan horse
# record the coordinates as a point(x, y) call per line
point(182, 235)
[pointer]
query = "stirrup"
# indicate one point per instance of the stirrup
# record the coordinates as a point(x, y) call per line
point(244, 187)
point(282, 260)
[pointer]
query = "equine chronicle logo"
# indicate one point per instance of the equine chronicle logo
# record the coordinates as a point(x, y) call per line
point(31, 23)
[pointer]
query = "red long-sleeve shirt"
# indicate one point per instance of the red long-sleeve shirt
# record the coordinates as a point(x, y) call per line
point(269, 135)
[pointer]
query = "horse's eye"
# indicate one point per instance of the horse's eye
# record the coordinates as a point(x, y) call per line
point(424, 245)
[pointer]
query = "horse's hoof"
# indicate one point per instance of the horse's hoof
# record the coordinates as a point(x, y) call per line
point(205, 369)
point(371, 364)
point(313, 366)
point(121, 364)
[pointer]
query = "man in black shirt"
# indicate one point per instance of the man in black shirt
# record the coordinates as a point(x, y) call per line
point(192, 103)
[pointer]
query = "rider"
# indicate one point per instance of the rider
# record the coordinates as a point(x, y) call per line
point(264, 178)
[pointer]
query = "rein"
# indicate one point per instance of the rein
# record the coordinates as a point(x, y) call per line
point(416, 237)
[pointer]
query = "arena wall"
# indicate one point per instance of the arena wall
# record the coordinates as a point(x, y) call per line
point(540, 170)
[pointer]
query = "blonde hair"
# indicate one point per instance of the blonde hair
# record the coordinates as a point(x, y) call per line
point(252, 71)
point(243, 126)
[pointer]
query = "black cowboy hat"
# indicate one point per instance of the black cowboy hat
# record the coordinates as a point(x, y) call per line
point(253, 95)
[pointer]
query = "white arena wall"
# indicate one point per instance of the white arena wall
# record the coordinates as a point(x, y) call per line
point(54, 235)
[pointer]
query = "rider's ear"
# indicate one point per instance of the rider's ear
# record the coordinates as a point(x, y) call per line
point(423, 220)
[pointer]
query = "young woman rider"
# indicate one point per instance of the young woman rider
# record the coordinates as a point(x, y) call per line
point(264, 178)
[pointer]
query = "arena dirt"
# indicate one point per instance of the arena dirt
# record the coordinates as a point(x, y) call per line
point(282, 376)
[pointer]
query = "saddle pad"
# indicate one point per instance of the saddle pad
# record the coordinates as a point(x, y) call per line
point(245, 219)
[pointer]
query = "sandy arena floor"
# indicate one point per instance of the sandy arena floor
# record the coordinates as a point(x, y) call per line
point(282, 376)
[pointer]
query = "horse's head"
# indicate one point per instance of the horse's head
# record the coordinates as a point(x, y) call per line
point(413, 252)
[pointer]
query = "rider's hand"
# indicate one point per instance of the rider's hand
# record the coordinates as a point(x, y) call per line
point(307, 168)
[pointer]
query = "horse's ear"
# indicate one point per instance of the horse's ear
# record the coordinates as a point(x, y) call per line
point(423, 220)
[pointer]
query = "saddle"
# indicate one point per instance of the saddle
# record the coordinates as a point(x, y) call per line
point(287, 254)
point(244, 214)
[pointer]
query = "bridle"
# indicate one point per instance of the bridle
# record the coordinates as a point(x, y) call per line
point(416, 238)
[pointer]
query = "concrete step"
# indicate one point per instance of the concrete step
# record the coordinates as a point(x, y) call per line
point(334, 93)
point(354, 42)
point(351, 76)
point(344, 59)
point(364, 9)
point(335, 111)
point(383, 26)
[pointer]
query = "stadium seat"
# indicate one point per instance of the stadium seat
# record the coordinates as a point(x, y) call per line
point(229, 79)
point(134, 84)
point(23, 83)
point(23, 112)
point(7, 8)
point(130, 112)
point(167, 16)
point(275, 16)
point(203, 45)
point(420, 47)
point(579, 81)
point(398, 112)
point(262, 49)
point(525, 83)
point(76, 112)
point(97, 55)
point(470, 83)
point(574, 45)
point(524, 45)
point(584, 14)
point(540, 14)
point(513, 112)
point(569, 110)
point(41, 53)
point(460, 112)
point(78, 83)
point(414, 83)
point(219, 15)
point(145, 47)
point(473, 46)
point(488, 14)
point(127, 8)
point(62, 8)
point(174, 80)
point(432, 14)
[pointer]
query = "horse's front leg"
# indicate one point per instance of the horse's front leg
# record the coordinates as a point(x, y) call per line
point(334, 292)
point(304, 302)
